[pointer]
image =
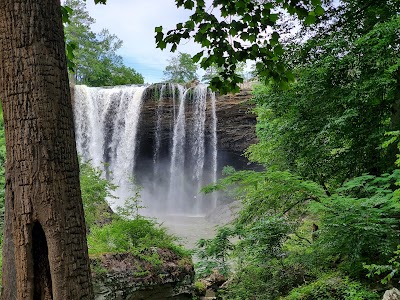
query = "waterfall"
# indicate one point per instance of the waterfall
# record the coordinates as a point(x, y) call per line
point(214, 140)
point(106, 125)
point(166, 138)
point(159, 114)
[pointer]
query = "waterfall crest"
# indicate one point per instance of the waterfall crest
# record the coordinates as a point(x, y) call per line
point(167, 140)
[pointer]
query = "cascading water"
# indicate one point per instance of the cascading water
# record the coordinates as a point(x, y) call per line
point(159, 113)
point(214, 149)
point(176, 193)
point(168, 157)
point(106, 125)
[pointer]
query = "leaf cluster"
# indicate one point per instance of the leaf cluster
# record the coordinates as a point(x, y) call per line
point(231, 32)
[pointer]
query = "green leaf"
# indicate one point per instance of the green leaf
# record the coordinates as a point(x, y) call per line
point(273, 17)
point(197, 57)
point(310, 19)
point(319, 11)
point(189, 4)
point(162, 45)
point(278, 50)
point(173, 48)
point(159, 28)
point(189, 24)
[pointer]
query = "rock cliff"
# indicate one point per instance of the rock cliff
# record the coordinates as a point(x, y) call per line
point(236, 121)
point(235, 126)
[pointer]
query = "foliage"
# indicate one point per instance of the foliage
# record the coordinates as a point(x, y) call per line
point(269, 192)
point(96, 190)
point(391, 269)
point(200, 287)
point(132, 204)
point(359, 224)
point(137, 236)
point(181, 69)
point(215, 71)
point(235, 31)
point(332, 287)
point(329, 124)
point(94, 55)
point(273, 250)
point(214, 253)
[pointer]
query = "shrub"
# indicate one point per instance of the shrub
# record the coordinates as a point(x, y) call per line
point(135, 236)
point(332, 287)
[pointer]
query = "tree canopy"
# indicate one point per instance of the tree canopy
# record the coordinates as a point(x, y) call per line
point(95, 58)
point(181, 69)
point(321, 220)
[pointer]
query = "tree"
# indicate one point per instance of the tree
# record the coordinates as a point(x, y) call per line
point(329, 125)
point(181, 69)
point(313, 218)
point(214, 71)
point(95, 58)
point(45, 252)
point(241, 32)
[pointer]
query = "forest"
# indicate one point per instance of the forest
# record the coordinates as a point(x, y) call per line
point(319, 217)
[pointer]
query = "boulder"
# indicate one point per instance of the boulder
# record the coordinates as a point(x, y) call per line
point(393, 294)
point(129, 277)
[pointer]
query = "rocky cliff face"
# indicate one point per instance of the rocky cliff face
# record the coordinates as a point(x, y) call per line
point(235, 126)
point(236, 121)
point(128, 277)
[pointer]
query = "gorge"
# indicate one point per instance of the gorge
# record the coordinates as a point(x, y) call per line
point(172, 139)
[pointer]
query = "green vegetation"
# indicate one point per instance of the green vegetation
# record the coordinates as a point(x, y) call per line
point(137, 236)
point(231, 32)
point(96, 190)
point(126, 230)
point(321, 221)
point(93, 56)
point(181, 69)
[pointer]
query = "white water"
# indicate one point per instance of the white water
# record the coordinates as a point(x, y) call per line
point(159, 114)
point(107, 122)
point(176, 193)
point(214, 141)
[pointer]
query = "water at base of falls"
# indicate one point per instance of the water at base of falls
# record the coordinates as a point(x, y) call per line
point(112, 130)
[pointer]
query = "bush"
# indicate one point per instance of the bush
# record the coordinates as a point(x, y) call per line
point(359, 224)
point(332, 287)
point(135, 236)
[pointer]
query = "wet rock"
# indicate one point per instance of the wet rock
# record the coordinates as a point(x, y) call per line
point(212, 284)
point(236, 120)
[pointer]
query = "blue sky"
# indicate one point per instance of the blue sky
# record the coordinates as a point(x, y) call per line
point(133, 21)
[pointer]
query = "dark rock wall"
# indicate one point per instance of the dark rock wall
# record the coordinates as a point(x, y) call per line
point(235, 127)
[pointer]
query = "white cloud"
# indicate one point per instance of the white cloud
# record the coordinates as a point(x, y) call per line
point(134, 23)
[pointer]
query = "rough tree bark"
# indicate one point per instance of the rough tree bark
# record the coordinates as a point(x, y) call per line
point(45, 252)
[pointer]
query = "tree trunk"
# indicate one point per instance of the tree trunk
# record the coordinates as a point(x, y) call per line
point(45, 251)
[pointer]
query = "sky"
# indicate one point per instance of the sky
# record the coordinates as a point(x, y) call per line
point(133, 21)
